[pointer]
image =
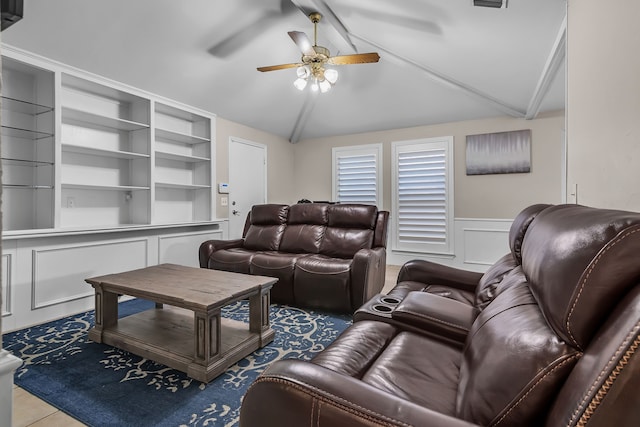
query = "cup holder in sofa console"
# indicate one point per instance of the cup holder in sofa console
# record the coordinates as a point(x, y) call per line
point(390, 300)
point(382, 308)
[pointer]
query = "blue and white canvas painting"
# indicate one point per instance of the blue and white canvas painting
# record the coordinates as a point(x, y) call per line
point(502, 152)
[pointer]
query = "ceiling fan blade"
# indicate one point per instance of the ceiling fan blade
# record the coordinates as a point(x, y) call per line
point(278, 67)
point(358, 58)
point(303, 42)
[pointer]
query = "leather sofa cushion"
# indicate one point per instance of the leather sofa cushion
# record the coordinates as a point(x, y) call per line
point(356, 348)
point(589, 261)
point(267, 225)
point(278, 265)
point(491, 279)
point(420, 370)
point(323, 282)
point(403, 288)
point(309, 213)
point(519, 228)
point(302, 238)
point(433, 313)
point(350, 228)
point(236, 260)
point(513, 363)
point(269, 214)
point(345, 242)
point(264, 237)
point(305, 228)
point(353, 216)
point(492, 289)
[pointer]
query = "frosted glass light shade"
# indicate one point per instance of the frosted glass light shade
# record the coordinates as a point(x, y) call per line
point(314, 85)
point(300, 83)
point(303, 71)
point(331, 75)
point(324, 86)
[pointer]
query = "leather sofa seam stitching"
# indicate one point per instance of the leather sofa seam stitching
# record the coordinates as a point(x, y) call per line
point(614, 357)
point(606, 386)
point(363, 411)
point(437, 320)
point(533, 386)
point(586, 279)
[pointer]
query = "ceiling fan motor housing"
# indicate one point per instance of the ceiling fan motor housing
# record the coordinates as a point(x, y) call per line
point(321, 55)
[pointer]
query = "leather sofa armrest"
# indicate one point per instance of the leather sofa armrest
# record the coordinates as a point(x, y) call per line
point(210, 246)
point(367, 275)
point(299, 393)
point(437, 274)
point(435, 315)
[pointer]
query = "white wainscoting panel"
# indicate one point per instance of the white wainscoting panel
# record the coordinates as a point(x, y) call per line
point(478, 243)
point(182, 248)
point(44, 275)
point(59, 272)
point(484, 246)
point(7, 264)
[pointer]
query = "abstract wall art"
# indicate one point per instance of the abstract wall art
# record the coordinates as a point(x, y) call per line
point(496, 153)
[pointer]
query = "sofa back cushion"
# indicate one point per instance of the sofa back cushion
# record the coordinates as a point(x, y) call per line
point(519, 228)
point(579, 262)
point(267, 225)
point(305, 228)
point(349, 229)
point(513, 362)
point(492, 282)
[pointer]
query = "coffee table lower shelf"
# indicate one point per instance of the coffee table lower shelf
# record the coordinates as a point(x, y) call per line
point(166, 335)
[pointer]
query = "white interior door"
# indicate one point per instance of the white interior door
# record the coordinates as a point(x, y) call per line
point(247, 181)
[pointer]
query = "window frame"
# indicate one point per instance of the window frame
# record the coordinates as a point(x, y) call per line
point(424, 144)
point(357, 150)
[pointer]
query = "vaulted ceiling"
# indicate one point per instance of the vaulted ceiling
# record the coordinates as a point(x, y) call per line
point(440, 61)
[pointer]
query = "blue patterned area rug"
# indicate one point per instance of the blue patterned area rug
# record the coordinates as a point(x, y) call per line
point(104, 386)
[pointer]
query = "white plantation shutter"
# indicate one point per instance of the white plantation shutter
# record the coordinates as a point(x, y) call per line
point(423, 208)
point(356, 174)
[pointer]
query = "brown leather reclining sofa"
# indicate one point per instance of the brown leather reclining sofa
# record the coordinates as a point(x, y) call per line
point(549, 336)
point(325, 256)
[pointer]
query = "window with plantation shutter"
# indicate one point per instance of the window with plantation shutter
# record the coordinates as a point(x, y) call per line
point(422, 202)
point(357, 175)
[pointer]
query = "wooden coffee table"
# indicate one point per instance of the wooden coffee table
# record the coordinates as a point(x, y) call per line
point(188, 334)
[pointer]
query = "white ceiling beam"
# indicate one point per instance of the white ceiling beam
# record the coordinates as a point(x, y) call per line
point(449, 82)
point(339, 36)
point(549, 72)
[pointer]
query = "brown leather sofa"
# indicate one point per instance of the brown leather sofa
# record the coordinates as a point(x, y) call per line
point(555, 346)
point(325, 256)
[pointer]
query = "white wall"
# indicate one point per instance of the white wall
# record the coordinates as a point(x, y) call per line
point(603, 103)
point(279, 161)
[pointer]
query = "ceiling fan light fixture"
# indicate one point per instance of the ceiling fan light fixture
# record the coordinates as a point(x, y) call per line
point(315, 86)
point(300, 83)
point(324, 85)
point(331, 75)
point(303, 71)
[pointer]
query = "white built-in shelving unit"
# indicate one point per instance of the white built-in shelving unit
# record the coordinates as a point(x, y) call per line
point(182, 165)
point(105, 170)
point(28, 145)
point(108, 156)
point(98, 177)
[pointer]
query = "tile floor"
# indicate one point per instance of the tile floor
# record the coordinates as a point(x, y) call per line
point(30, 411)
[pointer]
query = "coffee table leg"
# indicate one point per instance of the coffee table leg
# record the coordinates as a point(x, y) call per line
point(259, 316)
point(106, 313)
point(207, 336)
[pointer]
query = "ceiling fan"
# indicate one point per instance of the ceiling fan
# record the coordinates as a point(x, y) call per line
point(314, 58)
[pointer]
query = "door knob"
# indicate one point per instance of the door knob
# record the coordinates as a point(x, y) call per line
point(235, 212)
